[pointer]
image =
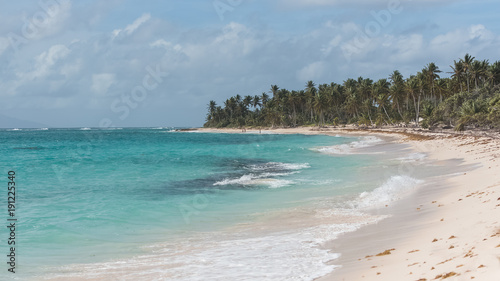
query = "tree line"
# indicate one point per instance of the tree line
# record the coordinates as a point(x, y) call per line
point(469, 98)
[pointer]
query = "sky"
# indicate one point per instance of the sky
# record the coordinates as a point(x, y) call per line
point(124, 63)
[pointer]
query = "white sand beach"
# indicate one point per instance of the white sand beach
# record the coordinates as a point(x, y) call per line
point(450, 231)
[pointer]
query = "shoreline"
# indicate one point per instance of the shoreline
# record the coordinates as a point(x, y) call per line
point(447, 229)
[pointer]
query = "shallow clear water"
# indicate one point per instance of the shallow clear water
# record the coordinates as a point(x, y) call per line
point(154, 203)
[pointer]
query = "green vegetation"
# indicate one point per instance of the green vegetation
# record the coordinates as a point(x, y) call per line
point(470, 98)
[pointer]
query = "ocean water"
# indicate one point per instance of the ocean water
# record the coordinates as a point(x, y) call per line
point(158, 204)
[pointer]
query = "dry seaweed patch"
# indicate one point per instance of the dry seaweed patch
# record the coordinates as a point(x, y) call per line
point(435, 240)
point(447, 275)
point(408, 136)
point(470, 254)
point(385, 253)
point(445, 261)
point(422, 279)
point(452, 237)
point(481, 266)
point(414, 251)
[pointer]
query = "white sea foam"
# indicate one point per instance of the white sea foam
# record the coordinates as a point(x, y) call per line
point(279, 166)
point(292, 255)
point(349, 148)
point(393, 189)
point(262, 179)
point(413, 157)
point(85, 129)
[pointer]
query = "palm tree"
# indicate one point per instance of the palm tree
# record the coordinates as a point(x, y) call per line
point(293, 101)
point(272, 115)
point(230, 106)
point(467, 64)
point(479, 71)
point(351, 104)
point(310, 93)
point(256, 102)
point(458, 72)
point(494, 73)
point(265, 99)
point(364, 102)
point(274, 90)
point(432, 72)
point(441, 88)
point(247, 101)
point(338, 97)
point(368, 106)
point(381, 94)
point(412, 86)
point(397, 90)
point(211, 107)
point(211, 111)
point(320, 104)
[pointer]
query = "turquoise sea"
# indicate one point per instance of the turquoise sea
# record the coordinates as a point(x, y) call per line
point(160, 204)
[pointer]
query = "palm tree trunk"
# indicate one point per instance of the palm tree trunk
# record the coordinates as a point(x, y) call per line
point(417, 109)
point(389, 118)
point(468, 82)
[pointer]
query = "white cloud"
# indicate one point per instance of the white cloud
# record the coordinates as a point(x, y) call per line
point(129, 29)
point(138, 22)
point(101, 82)
point(476, 39)
point(334, 43)
point(4, 44)
point(406, 48)
point(44, 23)
point(71, 69)
point(313, 71)
point(161, 43)
point(45, 61)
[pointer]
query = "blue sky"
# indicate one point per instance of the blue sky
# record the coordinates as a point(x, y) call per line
point(123, 63)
